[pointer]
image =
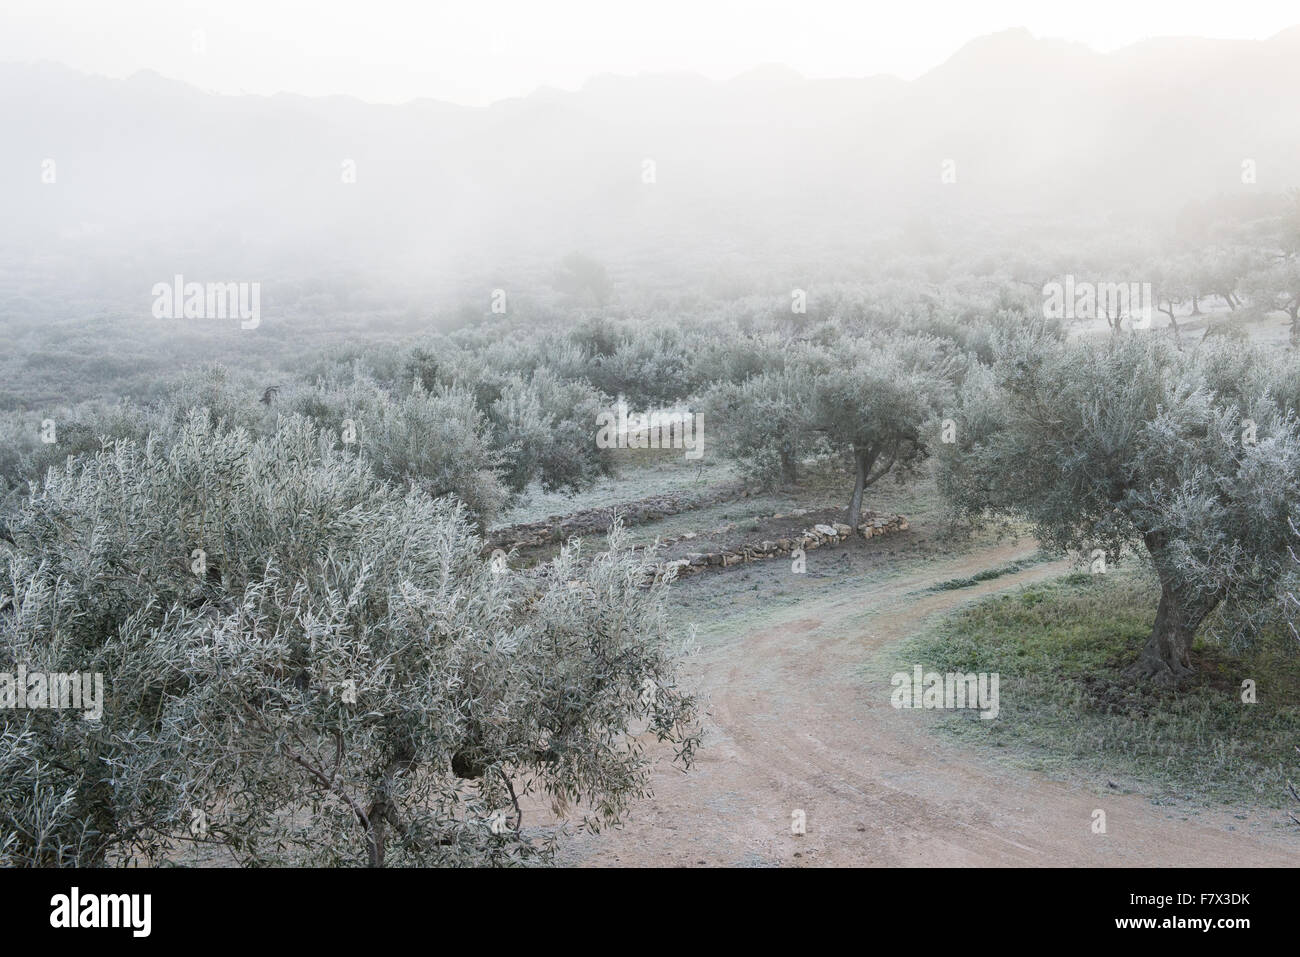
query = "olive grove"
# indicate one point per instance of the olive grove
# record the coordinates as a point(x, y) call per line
point(308, 664)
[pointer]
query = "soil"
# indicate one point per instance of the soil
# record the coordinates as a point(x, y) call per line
point(796, 720)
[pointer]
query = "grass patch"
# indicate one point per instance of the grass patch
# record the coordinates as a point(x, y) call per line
point(1010, 568)
point(1060, 649)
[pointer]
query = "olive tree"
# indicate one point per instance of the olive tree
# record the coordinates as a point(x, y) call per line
point(872, 402)
point(304, 663)
point(545, 427)
point(1175, 286)
point(866, 401)
point(1131, 443)
point(764, 423)
point(437, 439)
point(1276, 287)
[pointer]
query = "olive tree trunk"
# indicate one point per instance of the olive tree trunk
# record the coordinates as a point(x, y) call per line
point(868, 467)
point(1166, 657)
point(789, 468)
point(861, 466)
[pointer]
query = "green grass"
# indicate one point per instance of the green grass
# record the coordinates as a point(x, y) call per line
point(1066, 707)
point(1010, 568)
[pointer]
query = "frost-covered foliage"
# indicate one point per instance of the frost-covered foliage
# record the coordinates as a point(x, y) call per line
point(305, 663)
point(1192, 456)
point(517, 414)
point(437, 440)
point(874, 401)
point(544, 427)
point(764, 424)
point(449, 423)
point(30, 444)
point(867, 401)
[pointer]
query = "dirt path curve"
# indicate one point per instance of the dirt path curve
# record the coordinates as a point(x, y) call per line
point(794, 721)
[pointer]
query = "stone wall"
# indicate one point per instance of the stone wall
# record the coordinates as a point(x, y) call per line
point(559, 528)
point(815, 537)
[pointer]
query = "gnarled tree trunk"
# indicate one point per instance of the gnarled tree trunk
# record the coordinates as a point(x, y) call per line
point(861, 466)
point(789, 468)
point(1166, 657)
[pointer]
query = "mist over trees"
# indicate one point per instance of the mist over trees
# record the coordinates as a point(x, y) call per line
point(277, 540)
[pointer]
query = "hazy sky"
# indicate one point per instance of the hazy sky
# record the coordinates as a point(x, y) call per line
point(476, 51)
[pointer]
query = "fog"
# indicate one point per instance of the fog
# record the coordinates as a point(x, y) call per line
point(670, 180)
point(428, 427)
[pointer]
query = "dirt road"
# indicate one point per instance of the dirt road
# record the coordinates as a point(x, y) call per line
point(794, 721)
